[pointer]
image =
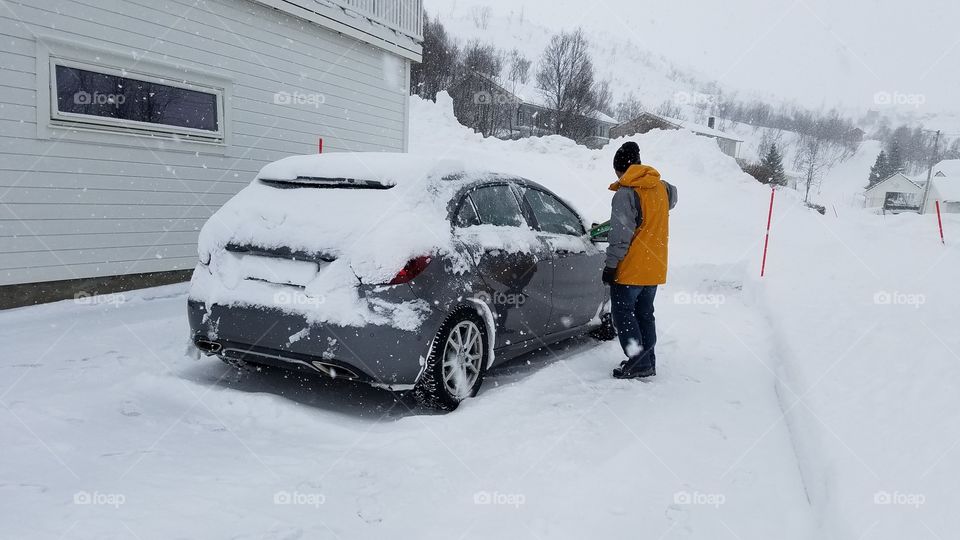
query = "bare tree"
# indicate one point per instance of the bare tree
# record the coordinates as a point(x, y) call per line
point(816, 153)
point(481, 16)
point(518, 75)
point(603, 98)
point(519, 71)
point(670, 109)
point(439, 66)
point(629, 108)
point(768, 138)
point(479, 102)
point(566, 78)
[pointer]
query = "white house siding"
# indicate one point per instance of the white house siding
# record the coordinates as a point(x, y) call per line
point(81, 203)
point(728, 147)
point(947, 192)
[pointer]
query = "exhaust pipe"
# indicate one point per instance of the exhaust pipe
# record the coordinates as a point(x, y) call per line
point(207, 346)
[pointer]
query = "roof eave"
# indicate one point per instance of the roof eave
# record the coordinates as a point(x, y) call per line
point(335, 19)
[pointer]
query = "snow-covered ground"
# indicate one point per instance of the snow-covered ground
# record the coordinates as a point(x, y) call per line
point(101, 400)
point(819, 402)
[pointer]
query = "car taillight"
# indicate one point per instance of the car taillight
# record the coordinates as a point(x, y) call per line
point(412, 269)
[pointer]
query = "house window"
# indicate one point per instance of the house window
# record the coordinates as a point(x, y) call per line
point(104, 97)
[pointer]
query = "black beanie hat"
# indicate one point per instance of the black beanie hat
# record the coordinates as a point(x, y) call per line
point(627, 155)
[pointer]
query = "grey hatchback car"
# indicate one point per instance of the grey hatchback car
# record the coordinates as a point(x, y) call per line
point(393, 271)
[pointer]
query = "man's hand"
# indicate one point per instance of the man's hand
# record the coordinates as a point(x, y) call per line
point(609, 276)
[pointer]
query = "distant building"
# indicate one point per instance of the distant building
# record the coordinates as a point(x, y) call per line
point(945, 187)
point(947, 191)
point(513, 110)
point(896, 193)
point(948, 168)
point(648, 121)
point(535, 116)
point(855, 135)
point(899, 193)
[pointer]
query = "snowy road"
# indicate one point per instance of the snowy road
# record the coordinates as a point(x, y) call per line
point(111, 431)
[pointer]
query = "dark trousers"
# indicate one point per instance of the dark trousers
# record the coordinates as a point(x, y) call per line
point(632, 313)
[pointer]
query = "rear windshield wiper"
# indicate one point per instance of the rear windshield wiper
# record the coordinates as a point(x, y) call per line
point(328, 183)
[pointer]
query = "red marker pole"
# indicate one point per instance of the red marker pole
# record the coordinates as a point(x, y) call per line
point(320, 146)
point(766, 242)
point(940, 223)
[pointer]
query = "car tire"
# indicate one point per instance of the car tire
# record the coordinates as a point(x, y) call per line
point(606, 331)
point(454, 373)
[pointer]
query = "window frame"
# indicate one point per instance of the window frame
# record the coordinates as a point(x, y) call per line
point(511, 187)
point(464, 200)
point(100, 123)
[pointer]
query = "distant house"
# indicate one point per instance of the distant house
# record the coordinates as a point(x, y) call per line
point(512, 110)
point(855, 135)
point(896, 193)
point(947, 191)
point(948, 168)
point(899, 193)
point(535, 116)
point(648, 121)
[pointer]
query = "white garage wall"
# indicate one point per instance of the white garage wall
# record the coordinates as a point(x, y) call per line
point(86, 203)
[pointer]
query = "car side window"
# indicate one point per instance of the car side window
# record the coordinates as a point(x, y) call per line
point(553, 216)
point(466, 214)
point(497, 205)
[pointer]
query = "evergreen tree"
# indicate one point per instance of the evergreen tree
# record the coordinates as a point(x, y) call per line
point(772, 164)
point(878, 172)
point(894, 158)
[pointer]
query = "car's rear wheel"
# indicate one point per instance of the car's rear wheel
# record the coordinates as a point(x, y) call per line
point(457, 362)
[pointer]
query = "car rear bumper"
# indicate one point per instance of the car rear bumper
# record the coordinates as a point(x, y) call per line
point(380, 355)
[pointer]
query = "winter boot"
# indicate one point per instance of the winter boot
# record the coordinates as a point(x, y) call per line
point(633, 372)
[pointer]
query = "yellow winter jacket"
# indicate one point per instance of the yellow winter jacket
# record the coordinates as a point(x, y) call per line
point(645, 262)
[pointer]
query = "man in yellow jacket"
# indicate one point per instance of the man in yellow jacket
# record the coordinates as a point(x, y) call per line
point(637, 257)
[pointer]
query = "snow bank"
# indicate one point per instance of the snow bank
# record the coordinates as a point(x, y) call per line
point(866, 314)
point(716, 197)
point(864, 309)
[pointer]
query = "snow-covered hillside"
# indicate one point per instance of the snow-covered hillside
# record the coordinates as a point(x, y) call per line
point(621, 58)
point(818, 402)
point(816, 52)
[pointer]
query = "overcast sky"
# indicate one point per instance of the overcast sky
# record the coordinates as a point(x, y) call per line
point(812, 51)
